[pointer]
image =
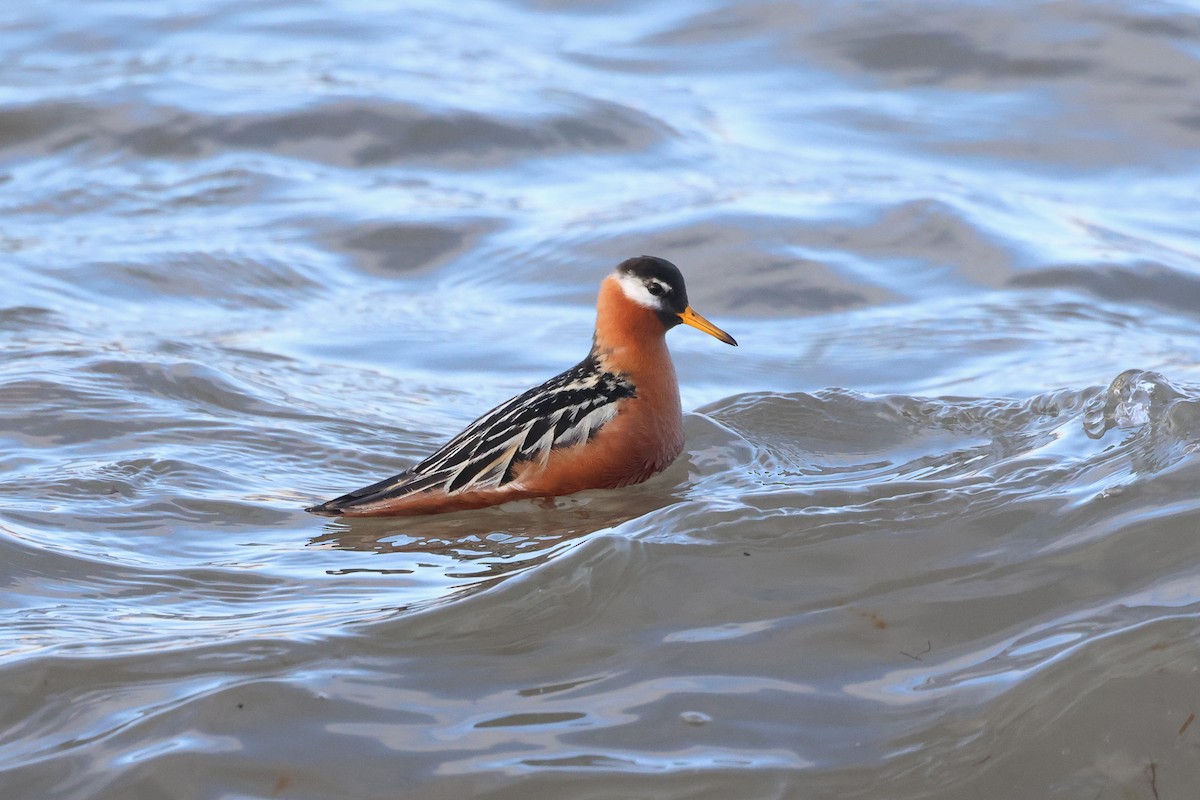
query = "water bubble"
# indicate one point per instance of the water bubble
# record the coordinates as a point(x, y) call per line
point(695, 718)
point(1135, 398)
point(1134, 410)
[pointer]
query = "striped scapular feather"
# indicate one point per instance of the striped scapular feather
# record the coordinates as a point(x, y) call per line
point(564, 411)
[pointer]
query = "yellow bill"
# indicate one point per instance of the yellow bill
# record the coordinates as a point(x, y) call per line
point(690, 317)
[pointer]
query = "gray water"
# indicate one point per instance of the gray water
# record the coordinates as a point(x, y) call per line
point(935, 534)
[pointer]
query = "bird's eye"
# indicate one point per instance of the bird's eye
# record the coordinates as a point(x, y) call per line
point(655, 289)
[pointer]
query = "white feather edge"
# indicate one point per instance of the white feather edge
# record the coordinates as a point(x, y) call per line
point(503, 454)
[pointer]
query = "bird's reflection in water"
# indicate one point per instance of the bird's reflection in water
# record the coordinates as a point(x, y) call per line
point(493, 544)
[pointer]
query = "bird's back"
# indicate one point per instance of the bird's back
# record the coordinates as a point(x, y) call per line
point(565, 411)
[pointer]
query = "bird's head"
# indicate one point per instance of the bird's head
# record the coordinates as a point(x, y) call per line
point(656, 284)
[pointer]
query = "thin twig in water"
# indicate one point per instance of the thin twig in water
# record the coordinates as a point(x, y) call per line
point(1152, 774)
point(1187, 723)
point(928, 647)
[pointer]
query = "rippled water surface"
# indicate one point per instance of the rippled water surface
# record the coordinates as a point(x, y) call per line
point(935, 534)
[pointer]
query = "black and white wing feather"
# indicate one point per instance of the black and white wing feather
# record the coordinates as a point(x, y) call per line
point(566, 410)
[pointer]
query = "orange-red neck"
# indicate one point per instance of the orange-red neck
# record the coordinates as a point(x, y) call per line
point(626, 332)
point(631, 340)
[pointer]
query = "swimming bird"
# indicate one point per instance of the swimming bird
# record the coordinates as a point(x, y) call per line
point(612, 420)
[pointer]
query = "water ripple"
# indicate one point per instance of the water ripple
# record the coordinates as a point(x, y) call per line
point(256, 255)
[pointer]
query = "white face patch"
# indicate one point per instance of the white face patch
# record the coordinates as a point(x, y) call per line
point(635, 289)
